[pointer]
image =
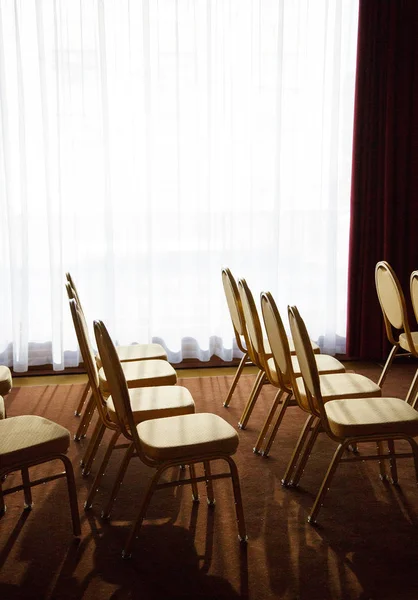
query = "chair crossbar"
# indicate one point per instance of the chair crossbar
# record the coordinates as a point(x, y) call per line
point(192, 479)
point(21, 487)
point(389, 455)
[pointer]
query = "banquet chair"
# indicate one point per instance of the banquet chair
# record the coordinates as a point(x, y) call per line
point(128, 353)
point(241, 336)
point(375, 419)
point(267, 364)
point(141, 374)
point(395, 316)
point(171, 442)
point(333, 386)
point(29, 440)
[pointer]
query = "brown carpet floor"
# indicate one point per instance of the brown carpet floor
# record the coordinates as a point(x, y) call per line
point(365, 546)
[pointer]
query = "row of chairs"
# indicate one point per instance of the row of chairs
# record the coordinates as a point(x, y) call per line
point(347, 406)
point(140, 401)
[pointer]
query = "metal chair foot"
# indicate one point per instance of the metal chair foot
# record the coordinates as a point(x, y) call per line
point(241, 426)
point(28, 507)
point(243, 540)
point(126, 555)
point(211, 503)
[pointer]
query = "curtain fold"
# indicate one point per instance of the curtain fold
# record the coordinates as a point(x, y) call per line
point(384, 200)
point(144, 145)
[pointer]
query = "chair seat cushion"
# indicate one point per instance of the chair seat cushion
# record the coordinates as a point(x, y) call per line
point(5, 380)
point(342, 385)
point(371, 416)
point(403, 342)
point(316, 349)
point(2, 409)
point(30, 437)
point(138, 352)
point(187, 436)
point(156, 402)
point(143, 373)
point(325, 364)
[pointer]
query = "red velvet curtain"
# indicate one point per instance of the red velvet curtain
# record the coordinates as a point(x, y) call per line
point(384, 198)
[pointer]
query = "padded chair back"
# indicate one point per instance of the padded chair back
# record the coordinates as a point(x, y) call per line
point(87, 353)
point(277, 337)
point(252, 321)
point(117, 383)
point(307, 363)
point(235, 308)
point(414, 292)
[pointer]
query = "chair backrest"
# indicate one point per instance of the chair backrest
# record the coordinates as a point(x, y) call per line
point(307, 363)
point(277, 338)
point(235, 308)
point(117, 383)
point(254, 330)
point(392, 302)
point(75, 295)
point(414, 292)
point(87, 353)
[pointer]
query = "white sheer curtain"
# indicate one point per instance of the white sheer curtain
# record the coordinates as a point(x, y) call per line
point(146, 144)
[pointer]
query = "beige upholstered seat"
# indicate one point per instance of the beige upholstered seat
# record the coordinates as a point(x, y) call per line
point(5, 380)
point(29, 440)
point(350, 422)
point(395, 316)
point(155, 403)
point(349, 385)
point(143, 373)
point(389, 414)
point(269, 367)
point(187, 436)
point(170, 442)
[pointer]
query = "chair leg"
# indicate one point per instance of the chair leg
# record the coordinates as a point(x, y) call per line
point(412, 395)
point(235, 380)
point(306, 454)
point(72, 495)
point(242, 532)
point(387, 365)
point(255, 392)
point(195, 491)
point(307, 429)
point(326, 483)
point(27, 491)
point(268, 421)
point(84, 395)
point(127, 552)
point(118, 482)
point(381, 452)
point(279, 419)
point(101, 471)
point(392, 463)
point(414, 447)
point(93, 447)
point(2, 504)
point(85, 419)
point(209, 483)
